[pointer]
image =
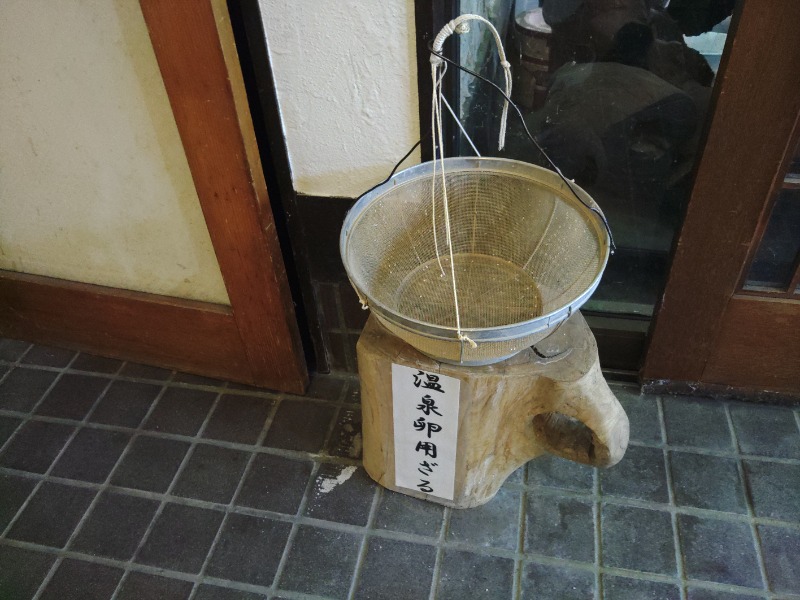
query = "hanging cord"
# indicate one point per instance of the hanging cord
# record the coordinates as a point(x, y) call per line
point(438, 70)
point(461, 25)
point(555, 168)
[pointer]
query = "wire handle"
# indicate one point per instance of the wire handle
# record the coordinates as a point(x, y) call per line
point(461, 25)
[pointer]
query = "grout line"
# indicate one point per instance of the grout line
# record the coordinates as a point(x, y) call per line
point(362, 549)
point(99, 491)
point(516, 589)
point(167, 494)
point(232, 504)
point(598, 534)
point(676, 540)
point(140, 430)
point(234, 585)
point(340, 460)
point(440, 542)
point(748, 501)
point(295, 525)
point(56, 458)
point(541, 491)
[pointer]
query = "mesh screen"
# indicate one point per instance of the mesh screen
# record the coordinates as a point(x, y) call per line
point(520, 251)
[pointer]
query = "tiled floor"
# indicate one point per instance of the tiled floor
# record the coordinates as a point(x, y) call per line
point(129, 482)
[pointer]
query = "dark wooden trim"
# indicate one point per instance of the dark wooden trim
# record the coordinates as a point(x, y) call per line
point(758, 345)
point(182, 334)
point(196, 53)
point(767, 213)
point(754, 107)
point(252, 43)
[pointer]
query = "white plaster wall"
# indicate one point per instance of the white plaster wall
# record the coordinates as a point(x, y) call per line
point(94, 184)
point(346, 79)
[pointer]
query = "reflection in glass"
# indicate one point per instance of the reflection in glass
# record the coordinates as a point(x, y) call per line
point(776, 257)
point(617, 93)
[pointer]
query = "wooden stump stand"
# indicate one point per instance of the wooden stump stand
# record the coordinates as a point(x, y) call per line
point(553, 399)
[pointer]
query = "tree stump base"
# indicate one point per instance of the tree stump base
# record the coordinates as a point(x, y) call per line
point(548, 399)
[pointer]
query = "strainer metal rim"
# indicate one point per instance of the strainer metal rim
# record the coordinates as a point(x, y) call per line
point(499, 165)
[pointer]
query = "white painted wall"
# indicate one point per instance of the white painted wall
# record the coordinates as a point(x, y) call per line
point(346, 79)
point(94, 184)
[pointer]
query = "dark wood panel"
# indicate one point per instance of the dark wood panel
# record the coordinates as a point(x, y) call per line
point(756, 105)
point(758, 345)
point(196, 53)
point(183, 334)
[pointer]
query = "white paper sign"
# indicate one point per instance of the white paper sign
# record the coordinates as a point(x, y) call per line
point(425, 430)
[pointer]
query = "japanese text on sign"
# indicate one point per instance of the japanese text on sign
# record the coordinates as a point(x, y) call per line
point(425, 407)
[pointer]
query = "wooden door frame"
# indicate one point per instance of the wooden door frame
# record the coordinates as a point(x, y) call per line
point(756, 109)
point(255, 340)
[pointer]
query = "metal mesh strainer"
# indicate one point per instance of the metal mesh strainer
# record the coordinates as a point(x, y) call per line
point(526, 253)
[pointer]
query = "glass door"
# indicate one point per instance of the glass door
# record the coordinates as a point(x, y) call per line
point(617, 92)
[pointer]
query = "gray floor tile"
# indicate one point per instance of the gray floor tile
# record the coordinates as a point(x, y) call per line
point(559, 527)
point(78, 580)
point(8, 425)
point(23, 388)
point(35, 446)
point(719, 551)
point(555, 472)
point(710, 482)
point(150, 464)
point(143, 586)
point(46, 356)
point(395, 570)
point(145, 372)
point(774, 488)
point(495, 524)
point(699, 422)
point(14, 491)
point(625, 588)
point(321, 562)
point(467, 575)
point(275, 483)
point(326, 388)
point(96, 364)
point(781, 550)
point(22, 572)
point(72, 396)
point(641, 474)
point(337, 496)
point(125, 404)
point(766, 430)
point(188, 528)
point(642, 411)
point(638, 539)
point(517, 476)
point(545, 582)
point(115, 526)
point(211, 474)
point(51, 515)
point(346, 440)
point(299, 425)
point(213, 592)
point(249, 549)
point(238, 419)
point(181, 411)
point(11, 350)
point(399, 512)
point(91, 455)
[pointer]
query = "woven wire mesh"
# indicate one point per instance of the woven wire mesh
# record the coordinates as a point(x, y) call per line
point(521, 250)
